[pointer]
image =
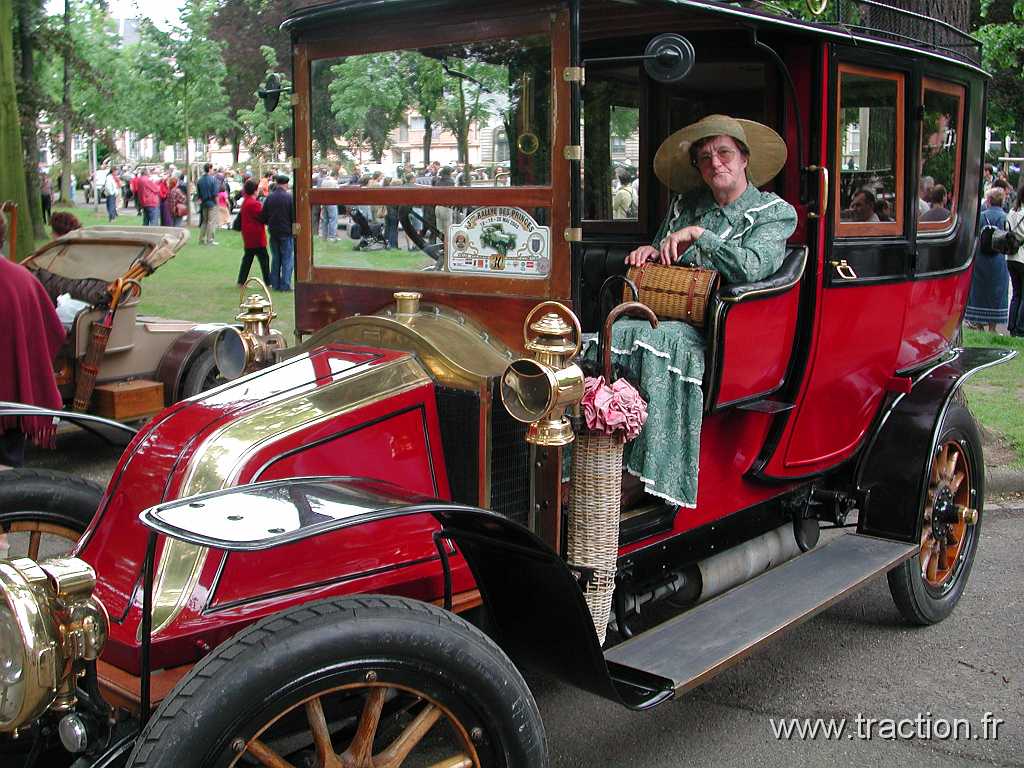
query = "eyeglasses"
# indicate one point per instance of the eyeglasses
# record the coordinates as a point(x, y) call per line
point(725, 155)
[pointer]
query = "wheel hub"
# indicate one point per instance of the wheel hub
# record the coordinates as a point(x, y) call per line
point(947, 515)
point(944, 513)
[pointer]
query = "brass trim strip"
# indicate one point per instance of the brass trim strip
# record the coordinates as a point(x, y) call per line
point(219, 460)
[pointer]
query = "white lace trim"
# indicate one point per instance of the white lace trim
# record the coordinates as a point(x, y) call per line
point(747, 215)
point(657, 353)
point(648, 488)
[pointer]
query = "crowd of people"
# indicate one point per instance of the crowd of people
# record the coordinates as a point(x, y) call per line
point(997, 287)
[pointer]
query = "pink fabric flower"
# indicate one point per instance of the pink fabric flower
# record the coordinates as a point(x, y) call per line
point(617, 410)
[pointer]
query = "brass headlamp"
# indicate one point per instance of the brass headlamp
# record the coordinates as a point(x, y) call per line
point(237, 352)
point(49, 624)
point(537, 391)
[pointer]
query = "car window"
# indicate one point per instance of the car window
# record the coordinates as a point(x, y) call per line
point(938, 189)
point(869, 152)
point(611, 144)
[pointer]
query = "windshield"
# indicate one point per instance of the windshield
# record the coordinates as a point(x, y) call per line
point(423, 124)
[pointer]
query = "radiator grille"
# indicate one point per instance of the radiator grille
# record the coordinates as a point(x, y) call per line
point(459, 414)
point(510, 465)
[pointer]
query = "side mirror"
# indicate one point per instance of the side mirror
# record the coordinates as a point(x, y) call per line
point(271, 92)
point(669, 58)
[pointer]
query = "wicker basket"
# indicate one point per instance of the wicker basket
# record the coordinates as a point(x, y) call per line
point(675, 293)
point(593, 540)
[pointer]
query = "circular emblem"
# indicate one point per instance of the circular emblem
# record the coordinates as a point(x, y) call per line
point(461, 241)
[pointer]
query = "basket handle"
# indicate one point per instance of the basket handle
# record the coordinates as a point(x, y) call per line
point(627, 308)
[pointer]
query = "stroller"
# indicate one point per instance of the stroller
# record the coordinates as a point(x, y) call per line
point(371, 236)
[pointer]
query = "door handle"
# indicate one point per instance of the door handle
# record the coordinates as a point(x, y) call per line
point(822, 206)
point(844, 270)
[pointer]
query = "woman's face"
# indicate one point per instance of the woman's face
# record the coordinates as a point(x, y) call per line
point(722, 166)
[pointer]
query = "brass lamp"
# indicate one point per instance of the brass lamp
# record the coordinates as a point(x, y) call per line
point(537, 391)
point(237, 352)
point(49, 625)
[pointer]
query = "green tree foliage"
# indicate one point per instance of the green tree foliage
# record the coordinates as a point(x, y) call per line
point(178, 78)
point(264, 131)
point(471, 90)
point(368, 99)
point(12, 177)
point(625, 121)
point(244, 28)
point(1001, 31)
point(425, 78)
point(99, 79)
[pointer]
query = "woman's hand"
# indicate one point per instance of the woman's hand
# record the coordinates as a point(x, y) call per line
point(642, 255)
point(675, 244)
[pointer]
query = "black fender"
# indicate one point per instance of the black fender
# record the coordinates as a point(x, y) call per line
point(533, 599)
point(181, 354)
point(114, 432)
point(892, 473)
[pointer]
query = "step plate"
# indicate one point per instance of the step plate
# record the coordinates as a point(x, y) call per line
point(692, 648)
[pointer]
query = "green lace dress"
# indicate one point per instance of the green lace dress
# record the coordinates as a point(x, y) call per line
point(745, 241)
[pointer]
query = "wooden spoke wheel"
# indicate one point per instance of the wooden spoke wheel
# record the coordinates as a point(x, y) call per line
point(29, 538)
point(949, 516)
point(358, 682)
point(43, 513)
point(926, 588)
point(395, 726)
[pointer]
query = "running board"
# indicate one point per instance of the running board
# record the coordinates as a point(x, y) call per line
point(692, 648)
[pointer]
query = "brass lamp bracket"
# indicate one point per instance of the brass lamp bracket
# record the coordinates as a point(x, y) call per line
point(239, 351)
point(537, 390)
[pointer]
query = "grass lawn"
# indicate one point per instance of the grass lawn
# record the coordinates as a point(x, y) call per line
point(996, 395)
point(199, 284)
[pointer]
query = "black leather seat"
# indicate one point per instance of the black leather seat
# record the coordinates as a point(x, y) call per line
point(784, 278)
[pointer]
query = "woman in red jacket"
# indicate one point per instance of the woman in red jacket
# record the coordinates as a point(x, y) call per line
point(254, 235)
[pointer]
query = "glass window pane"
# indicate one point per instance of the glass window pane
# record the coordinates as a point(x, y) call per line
point(494, 240)
point(481, 109)
point(940, 143)
point(867, 148)
point(611, 144)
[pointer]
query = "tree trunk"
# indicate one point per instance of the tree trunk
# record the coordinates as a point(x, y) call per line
point(236, 138)
point(428, 137)
point(65, 172)
point(12, 177)
point(27, 16)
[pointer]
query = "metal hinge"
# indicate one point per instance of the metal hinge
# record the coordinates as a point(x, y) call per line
point(573, 152)
point(573, 234)
point(295, 162)
point(294, 99)
point(574, 75)
point(296, 228)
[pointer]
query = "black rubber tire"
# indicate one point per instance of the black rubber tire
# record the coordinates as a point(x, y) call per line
point(202, 375)
point(47, 496)
point(290, 656)
point(918, 602)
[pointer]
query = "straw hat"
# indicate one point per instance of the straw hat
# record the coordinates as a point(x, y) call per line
point(767, 151)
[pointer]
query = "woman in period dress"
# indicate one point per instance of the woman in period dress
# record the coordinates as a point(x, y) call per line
point(988, 305)
point(718, 219)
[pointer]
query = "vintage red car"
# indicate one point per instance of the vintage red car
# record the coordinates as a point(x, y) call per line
point(342, 558)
